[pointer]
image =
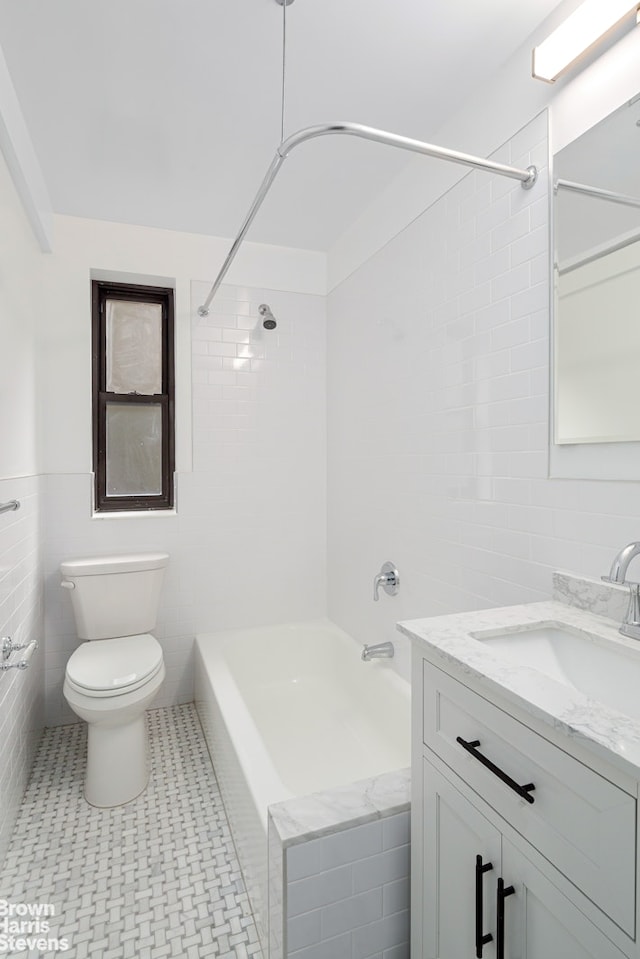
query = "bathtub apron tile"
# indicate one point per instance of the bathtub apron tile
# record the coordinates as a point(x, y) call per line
point(391, 931)
point(303, 931)
point(303, 859)
point(338, 948)
point(351, 913)
point(396, 830)
point(351, 844)
point(314, 892)
point(396, 896)
point(378, 870)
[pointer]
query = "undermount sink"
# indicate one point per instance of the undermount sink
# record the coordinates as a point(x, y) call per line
point(598, 667)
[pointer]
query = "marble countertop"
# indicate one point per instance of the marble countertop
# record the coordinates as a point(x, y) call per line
point(309, 817)
point(446, 641)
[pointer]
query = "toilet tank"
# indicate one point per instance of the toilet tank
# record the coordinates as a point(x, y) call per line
point(114, 595)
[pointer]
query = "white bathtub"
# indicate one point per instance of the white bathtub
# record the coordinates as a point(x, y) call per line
point(290, 710)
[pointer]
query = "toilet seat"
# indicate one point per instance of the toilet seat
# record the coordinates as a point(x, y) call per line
point(113, 667)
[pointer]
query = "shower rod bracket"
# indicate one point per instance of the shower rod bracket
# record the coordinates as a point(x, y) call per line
point(527, 177)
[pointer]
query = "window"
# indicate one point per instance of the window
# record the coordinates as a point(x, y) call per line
point(133, 396)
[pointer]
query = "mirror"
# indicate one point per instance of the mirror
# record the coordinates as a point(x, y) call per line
point(596, 341)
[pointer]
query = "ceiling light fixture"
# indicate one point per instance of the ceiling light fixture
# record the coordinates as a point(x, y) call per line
point(579, 32)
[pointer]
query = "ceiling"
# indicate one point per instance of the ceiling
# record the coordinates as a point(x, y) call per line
point(167, 113)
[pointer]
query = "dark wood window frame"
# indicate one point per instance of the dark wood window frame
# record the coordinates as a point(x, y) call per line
point(101, 291)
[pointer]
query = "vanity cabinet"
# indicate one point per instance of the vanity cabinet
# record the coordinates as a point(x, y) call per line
point(521, 849)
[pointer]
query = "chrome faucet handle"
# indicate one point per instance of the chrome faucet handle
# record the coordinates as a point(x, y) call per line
point(631, 622)
point(388, 578)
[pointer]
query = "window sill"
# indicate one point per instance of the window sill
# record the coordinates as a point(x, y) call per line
point(135, 514)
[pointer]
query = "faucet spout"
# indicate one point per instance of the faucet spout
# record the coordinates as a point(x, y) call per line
point(618, 572)
point(379, 651)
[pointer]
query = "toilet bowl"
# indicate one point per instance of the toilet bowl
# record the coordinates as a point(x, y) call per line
point(111, 679)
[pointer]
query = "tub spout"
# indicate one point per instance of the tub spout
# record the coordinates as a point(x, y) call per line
point(379, 651)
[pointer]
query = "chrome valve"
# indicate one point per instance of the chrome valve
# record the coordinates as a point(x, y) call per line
point(388, 578)
point(4, 666)
point(8, 646)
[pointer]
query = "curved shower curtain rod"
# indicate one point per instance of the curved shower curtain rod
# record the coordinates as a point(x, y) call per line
point(527, 177)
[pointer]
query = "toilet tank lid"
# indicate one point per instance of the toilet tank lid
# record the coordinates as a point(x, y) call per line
point(119, 563)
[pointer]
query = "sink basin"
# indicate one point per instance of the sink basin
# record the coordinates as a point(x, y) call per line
point(596, 666)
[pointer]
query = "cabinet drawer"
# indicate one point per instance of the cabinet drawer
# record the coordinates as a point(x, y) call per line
point(581, 822)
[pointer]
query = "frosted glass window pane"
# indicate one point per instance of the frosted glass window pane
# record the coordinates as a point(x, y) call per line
point(134, 449)
point(134, 347)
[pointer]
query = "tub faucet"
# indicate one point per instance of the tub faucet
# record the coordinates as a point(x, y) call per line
point(379, 651)
point(618, 574)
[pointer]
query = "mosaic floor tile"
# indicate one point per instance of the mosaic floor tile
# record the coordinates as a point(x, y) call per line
point(155, 878)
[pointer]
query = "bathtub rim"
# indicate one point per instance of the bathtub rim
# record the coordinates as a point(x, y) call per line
point(329, 811)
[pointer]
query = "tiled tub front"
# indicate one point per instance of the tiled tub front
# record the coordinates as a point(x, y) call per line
point(339, 872)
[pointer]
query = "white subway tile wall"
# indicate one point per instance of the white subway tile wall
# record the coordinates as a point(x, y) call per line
point(253, 515)
point(347, 894)
point(438, 391)
point(248, 543)
point(21, 618)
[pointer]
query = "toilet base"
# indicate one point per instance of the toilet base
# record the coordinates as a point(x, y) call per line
point(117, 749)
point(117, 763)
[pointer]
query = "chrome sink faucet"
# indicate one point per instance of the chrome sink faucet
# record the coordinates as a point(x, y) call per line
point(618, 574)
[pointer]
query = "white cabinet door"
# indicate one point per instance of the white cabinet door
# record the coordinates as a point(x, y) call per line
point(455, 834)
point(539, 922)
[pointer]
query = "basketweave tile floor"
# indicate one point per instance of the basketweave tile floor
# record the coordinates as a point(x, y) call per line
point(158, 877)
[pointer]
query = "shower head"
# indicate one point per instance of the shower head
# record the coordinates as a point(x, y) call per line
point(268, 319)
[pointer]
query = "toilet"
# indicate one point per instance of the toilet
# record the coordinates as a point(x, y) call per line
point(113, 677)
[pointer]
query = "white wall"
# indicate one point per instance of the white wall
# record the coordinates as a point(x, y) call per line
point(247, 542)
point(20, 305)
point(21, 712)
point(489, 117)
point(438, 434)
point(438, 380)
